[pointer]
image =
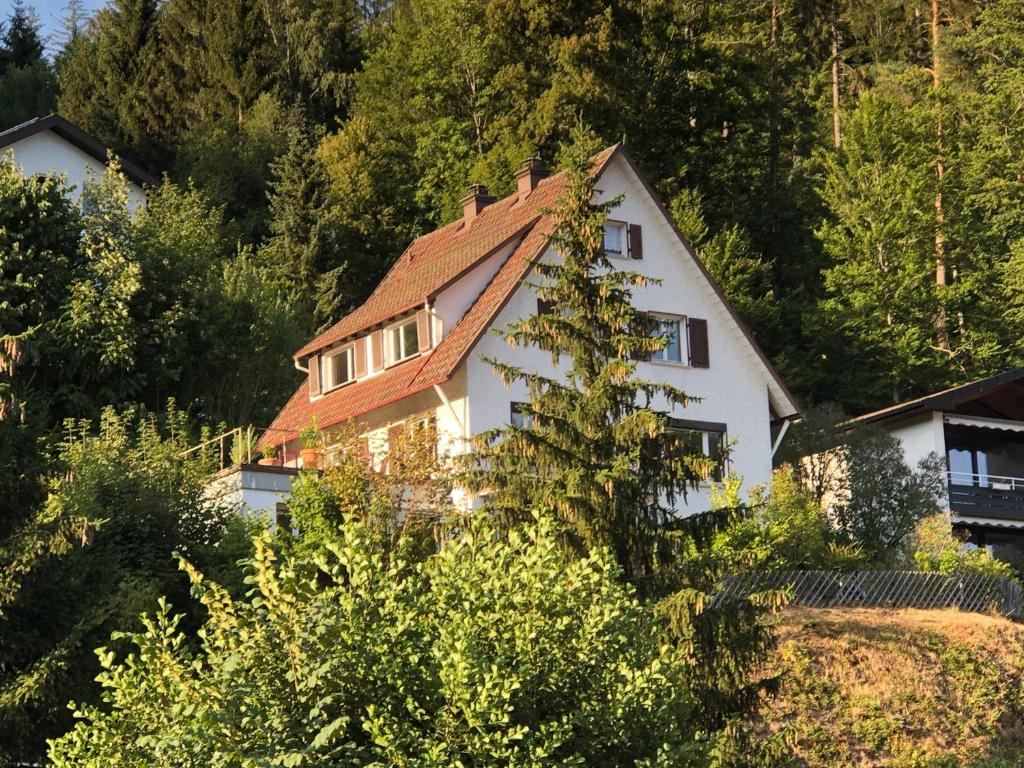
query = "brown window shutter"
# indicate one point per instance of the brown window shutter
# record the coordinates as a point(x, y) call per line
point(377, 350)
point(359, 355)
point(395, 434)
point(423, 329)
point(636, 242)
point(697, 342)
point(545, 307)
point(315, 387)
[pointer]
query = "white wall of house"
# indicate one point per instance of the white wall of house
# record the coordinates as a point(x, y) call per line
point(47, 153)
point(735, 386)
point(920, 436)
point(253, 490)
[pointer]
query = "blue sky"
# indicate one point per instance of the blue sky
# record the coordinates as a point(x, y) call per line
point(50, 13)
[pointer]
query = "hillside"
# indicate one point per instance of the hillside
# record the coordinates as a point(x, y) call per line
point(902, 689)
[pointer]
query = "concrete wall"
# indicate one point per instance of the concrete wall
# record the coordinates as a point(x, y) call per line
point(47, 153)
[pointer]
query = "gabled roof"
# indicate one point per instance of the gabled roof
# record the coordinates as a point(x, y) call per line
point(946, 399)
point(434, 262)
point(79, 138)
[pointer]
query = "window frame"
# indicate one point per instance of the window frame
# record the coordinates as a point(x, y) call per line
point(706, 430)
point(328, 366)
point(525, 412)
point(623, 228)
point(681, 339)
point(391, 355)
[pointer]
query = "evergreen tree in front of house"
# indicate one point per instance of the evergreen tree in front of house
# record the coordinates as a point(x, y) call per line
point(595, 445)
point(596, 448)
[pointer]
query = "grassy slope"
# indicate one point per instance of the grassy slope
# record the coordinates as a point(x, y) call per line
point(902, 689)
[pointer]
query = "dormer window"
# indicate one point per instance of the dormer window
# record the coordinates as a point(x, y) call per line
point(338, 367)
point(403, 341)
point(615, 238)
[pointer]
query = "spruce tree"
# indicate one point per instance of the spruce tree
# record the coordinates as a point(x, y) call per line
point(20, 44)
point(595, 446)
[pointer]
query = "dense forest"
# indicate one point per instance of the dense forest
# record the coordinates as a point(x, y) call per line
point(849, 170)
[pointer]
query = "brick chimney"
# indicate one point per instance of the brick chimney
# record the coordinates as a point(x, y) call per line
point(474, 202)
point(529, 175)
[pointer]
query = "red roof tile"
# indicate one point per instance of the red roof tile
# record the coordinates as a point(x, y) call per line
point(435, 260)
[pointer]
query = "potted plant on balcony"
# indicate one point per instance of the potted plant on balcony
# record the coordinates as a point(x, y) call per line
point(268, 456)
point(311, 438)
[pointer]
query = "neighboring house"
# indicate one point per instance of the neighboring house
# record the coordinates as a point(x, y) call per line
point(53, 146)
point(978, 428)
point(414, 349)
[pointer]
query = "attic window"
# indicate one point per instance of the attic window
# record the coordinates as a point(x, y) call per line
point(403, 341)
point(669, 329)
point(338, 367)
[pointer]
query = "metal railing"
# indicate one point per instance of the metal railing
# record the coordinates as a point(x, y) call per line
point(975, 592)
point(985, 480)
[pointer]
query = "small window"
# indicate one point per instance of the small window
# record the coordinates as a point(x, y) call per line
point(706, 440)
point(522, 416)
point(669, 328)
point(615, 238)
point(403, 341)
point(338, 368)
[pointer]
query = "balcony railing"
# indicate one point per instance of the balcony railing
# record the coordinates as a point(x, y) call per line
point(982, 495)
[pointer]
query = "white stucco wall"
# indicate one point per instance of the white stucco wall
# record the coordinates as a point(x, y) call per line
point(920, 436)
point(734, 389)
point(47, 153)
point(252, 490)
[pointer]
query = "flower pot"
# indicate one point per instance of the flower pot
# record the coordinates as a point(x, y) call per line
point(310, 458)
point(267, 462)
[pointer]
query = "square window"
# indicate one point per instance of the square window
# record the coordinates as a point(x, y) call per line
point(338, 368)
point(705, 441)
point(403, 341)
point(669, 328)
point(614, 238)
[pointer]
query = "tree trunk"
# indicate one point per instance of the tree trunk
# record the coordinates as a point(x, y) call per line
point(837, 134)
point(941, 271)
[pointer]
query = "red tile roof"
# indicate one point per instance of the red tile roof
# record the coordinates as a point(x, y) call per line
point(430, 264)
point(437, 259)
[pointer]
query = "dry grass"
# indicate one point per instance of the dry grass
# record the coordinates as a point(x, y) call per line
point(908, 688)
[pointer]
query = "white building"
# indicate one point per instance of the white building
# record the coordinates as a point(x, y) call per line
point(978, 428)
point(414, 349)
point(53, 146)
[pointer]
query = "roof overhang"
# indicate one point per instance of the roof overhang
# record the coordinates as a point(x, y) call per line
point(75, 136)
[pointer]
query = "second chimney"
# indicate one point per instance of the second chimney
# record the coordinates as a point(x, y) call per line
point(530, 175)
point(475, 201)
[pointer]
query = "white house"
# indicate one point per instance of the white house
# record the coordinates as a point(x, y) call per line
point(414, 349)
point(978, 428)
point(54, 146)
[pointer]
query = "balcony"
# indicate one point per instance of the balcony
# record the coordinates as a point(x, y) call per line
point(986, 496)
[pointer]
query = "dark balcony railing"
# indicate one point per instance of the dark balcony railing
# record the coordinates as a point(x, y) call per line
point(996, 497)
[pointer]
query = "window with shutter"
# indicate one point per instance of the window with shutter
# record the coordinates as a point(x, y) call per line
point(636, 242)
point(697, 342)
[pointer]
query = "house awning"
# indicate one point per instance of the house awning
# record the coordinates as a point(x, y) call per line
point(984, 422)
point(988, 522)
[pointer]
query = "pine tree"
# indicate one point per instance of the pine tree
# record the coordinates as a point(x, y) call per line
point(20, 44)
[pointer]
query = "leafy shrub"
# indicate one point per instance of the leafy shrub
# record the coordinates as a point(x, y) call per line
point(499, 650)
point(788, 528)
point(933, 546)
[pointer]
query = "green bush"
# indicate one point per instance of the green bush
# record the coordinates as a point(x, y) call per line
point(497, 651)
point(933, 546)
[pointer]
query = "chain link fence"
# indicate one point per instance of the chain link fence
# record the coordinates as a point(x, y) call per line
point(975, 592)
